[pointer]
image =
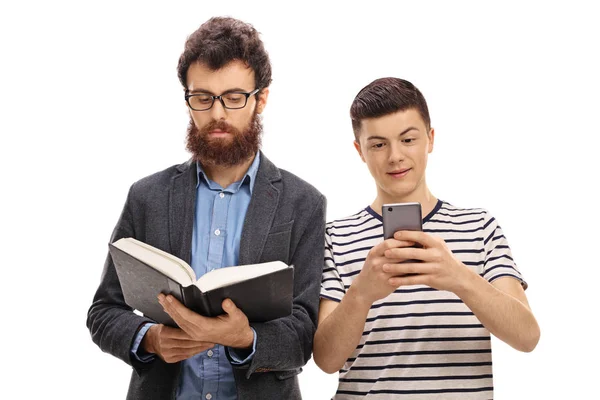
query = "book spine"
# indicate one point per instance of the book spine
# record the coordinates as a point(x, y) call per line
point(196, 301)
point(185, 296)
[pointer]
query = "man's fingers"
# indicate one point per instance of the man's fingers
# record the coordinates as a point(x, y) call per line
point(229, 307)
point(183, 316)
point(172, 309)
point(199, 347)
point(172, 306)
point(180, 354)
point(205, 346)
point(168, 332)
point(184, 344)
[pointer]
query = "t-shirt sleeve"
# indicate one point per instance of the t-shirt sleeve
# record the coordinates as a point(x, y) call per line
point(499, 261)
point(332, 287)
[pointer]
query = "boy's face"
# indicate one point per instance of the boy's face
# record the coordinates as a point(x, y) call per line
point(395, 148)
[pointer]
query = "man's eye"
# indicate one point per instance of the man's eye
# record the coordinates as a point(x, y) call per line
point(378, 145)
point(409, 140)
point(203, 99)
point(234, 97)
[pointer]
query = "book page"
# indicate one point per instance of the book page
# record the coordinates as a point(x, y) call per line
point(173, 267)
point(229, 275)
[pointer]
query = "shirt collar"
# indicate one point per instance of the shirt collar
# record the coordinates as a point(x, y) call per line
point(249, 178)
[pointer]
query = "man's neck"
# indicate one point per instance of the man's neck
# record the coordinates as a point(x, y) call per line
point(423, 196)
point(226, 175)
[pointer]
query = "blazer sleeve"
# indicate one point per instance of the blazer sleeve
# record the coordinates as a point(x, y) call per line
point(286, 343)
point(111, 322)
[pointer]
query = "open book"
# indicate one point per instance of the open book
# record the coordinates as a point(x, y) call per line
point(262, 291)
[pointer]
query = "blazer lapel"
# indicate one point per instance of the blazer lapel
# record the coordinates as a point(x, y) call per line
point(182, 204)
point(261, 211)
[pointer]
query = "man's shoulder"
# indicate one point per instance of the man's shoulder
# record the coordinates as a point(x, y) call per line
point(160, 179)
point(295, 186)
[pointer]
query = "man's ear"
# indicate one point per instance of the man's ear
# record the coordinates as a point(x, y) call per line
point(262, 100)
point(358, 149)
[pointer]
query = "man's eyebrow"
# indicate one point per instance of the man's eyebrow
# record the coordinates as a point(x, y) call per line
point(376, 137)
point(201, 90)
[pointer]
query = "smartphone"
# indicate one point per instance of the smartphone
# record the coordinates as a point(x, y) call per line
point(401, 217)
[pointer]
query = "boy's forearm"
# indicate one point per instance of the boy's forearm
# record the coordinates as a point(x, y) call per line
point(340, 333)
point(503, 315)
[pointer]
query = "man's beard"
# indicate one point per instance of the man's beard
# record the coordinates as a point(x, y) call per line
point(228, 151)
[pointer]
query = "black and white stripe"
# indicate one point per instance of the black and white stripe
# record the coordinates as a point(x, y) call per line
point(419, 342)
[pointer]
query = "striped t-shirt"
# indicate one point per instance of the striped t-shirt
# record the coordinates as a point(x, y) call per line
point(419, 342)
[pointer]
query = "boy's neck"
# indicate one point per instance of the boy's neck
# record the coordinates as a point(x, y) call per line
point(428, 201)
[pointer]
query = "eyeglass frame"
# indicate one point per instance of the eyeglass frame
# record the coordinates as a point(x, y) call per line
point(220, 98)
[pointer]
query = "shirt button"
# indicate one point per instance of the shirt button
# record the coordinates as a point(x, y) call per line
point(210, 353)
point(208, 396)
point(217, 232)
point(221, 195)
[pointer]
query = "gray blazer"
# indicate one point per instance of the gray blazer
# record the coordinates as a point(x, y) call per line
point(285, 221)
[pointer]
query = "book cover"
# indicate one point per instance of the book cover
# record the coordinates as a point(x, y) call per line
point(261, 298)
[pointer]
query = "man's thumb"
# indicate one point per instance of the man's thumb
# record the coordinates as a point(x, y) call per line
point(228, 306)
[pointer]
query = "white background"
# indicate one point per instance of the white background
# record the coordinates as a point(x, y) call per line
point(90, 102)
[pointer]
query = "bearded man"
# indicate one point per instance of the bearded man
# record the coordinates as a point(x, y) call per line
point(227, 205)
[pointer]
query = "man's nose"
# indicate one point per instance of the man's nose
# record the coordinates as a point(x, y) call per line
point(217, 111)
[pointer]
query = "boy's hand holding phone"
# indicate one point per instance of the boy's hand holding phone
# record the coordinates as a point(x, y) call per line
point(437, 266)
point(373, 282)
point(407, 256)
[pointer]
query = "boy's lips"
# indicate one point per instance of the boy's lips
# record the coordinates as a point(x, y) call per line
point(399, 173)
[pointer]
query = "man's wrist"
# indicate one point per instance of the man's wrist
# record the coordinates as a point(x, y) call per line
point(247, 339)
point(148, 340)
point(242, 356)
point(241, 340)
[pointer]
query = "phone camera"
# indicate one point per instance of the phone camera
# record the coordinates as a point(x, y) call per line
point(390, 209)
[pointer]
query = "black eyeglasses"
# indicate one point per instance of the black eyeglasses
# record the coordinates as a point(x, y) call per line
point(231, 100)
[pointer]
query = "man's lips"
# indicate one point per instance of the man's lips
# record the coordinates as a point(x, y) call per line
point(218, 132)
point(399, 173)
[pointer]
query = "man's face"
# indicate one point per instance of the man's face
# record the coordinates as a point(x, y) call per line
point(395, 148)
point(221, 136)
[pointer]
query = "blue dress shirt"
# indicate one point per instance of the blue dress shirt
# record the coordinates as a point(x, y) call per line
point(218, 223)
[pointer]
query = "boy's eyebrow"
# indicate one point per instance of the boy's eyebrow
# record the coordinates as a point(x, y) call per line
point(375, 137)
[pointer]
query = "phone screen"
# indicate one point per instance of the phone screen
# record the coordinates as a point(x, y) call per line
point(401, 217)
